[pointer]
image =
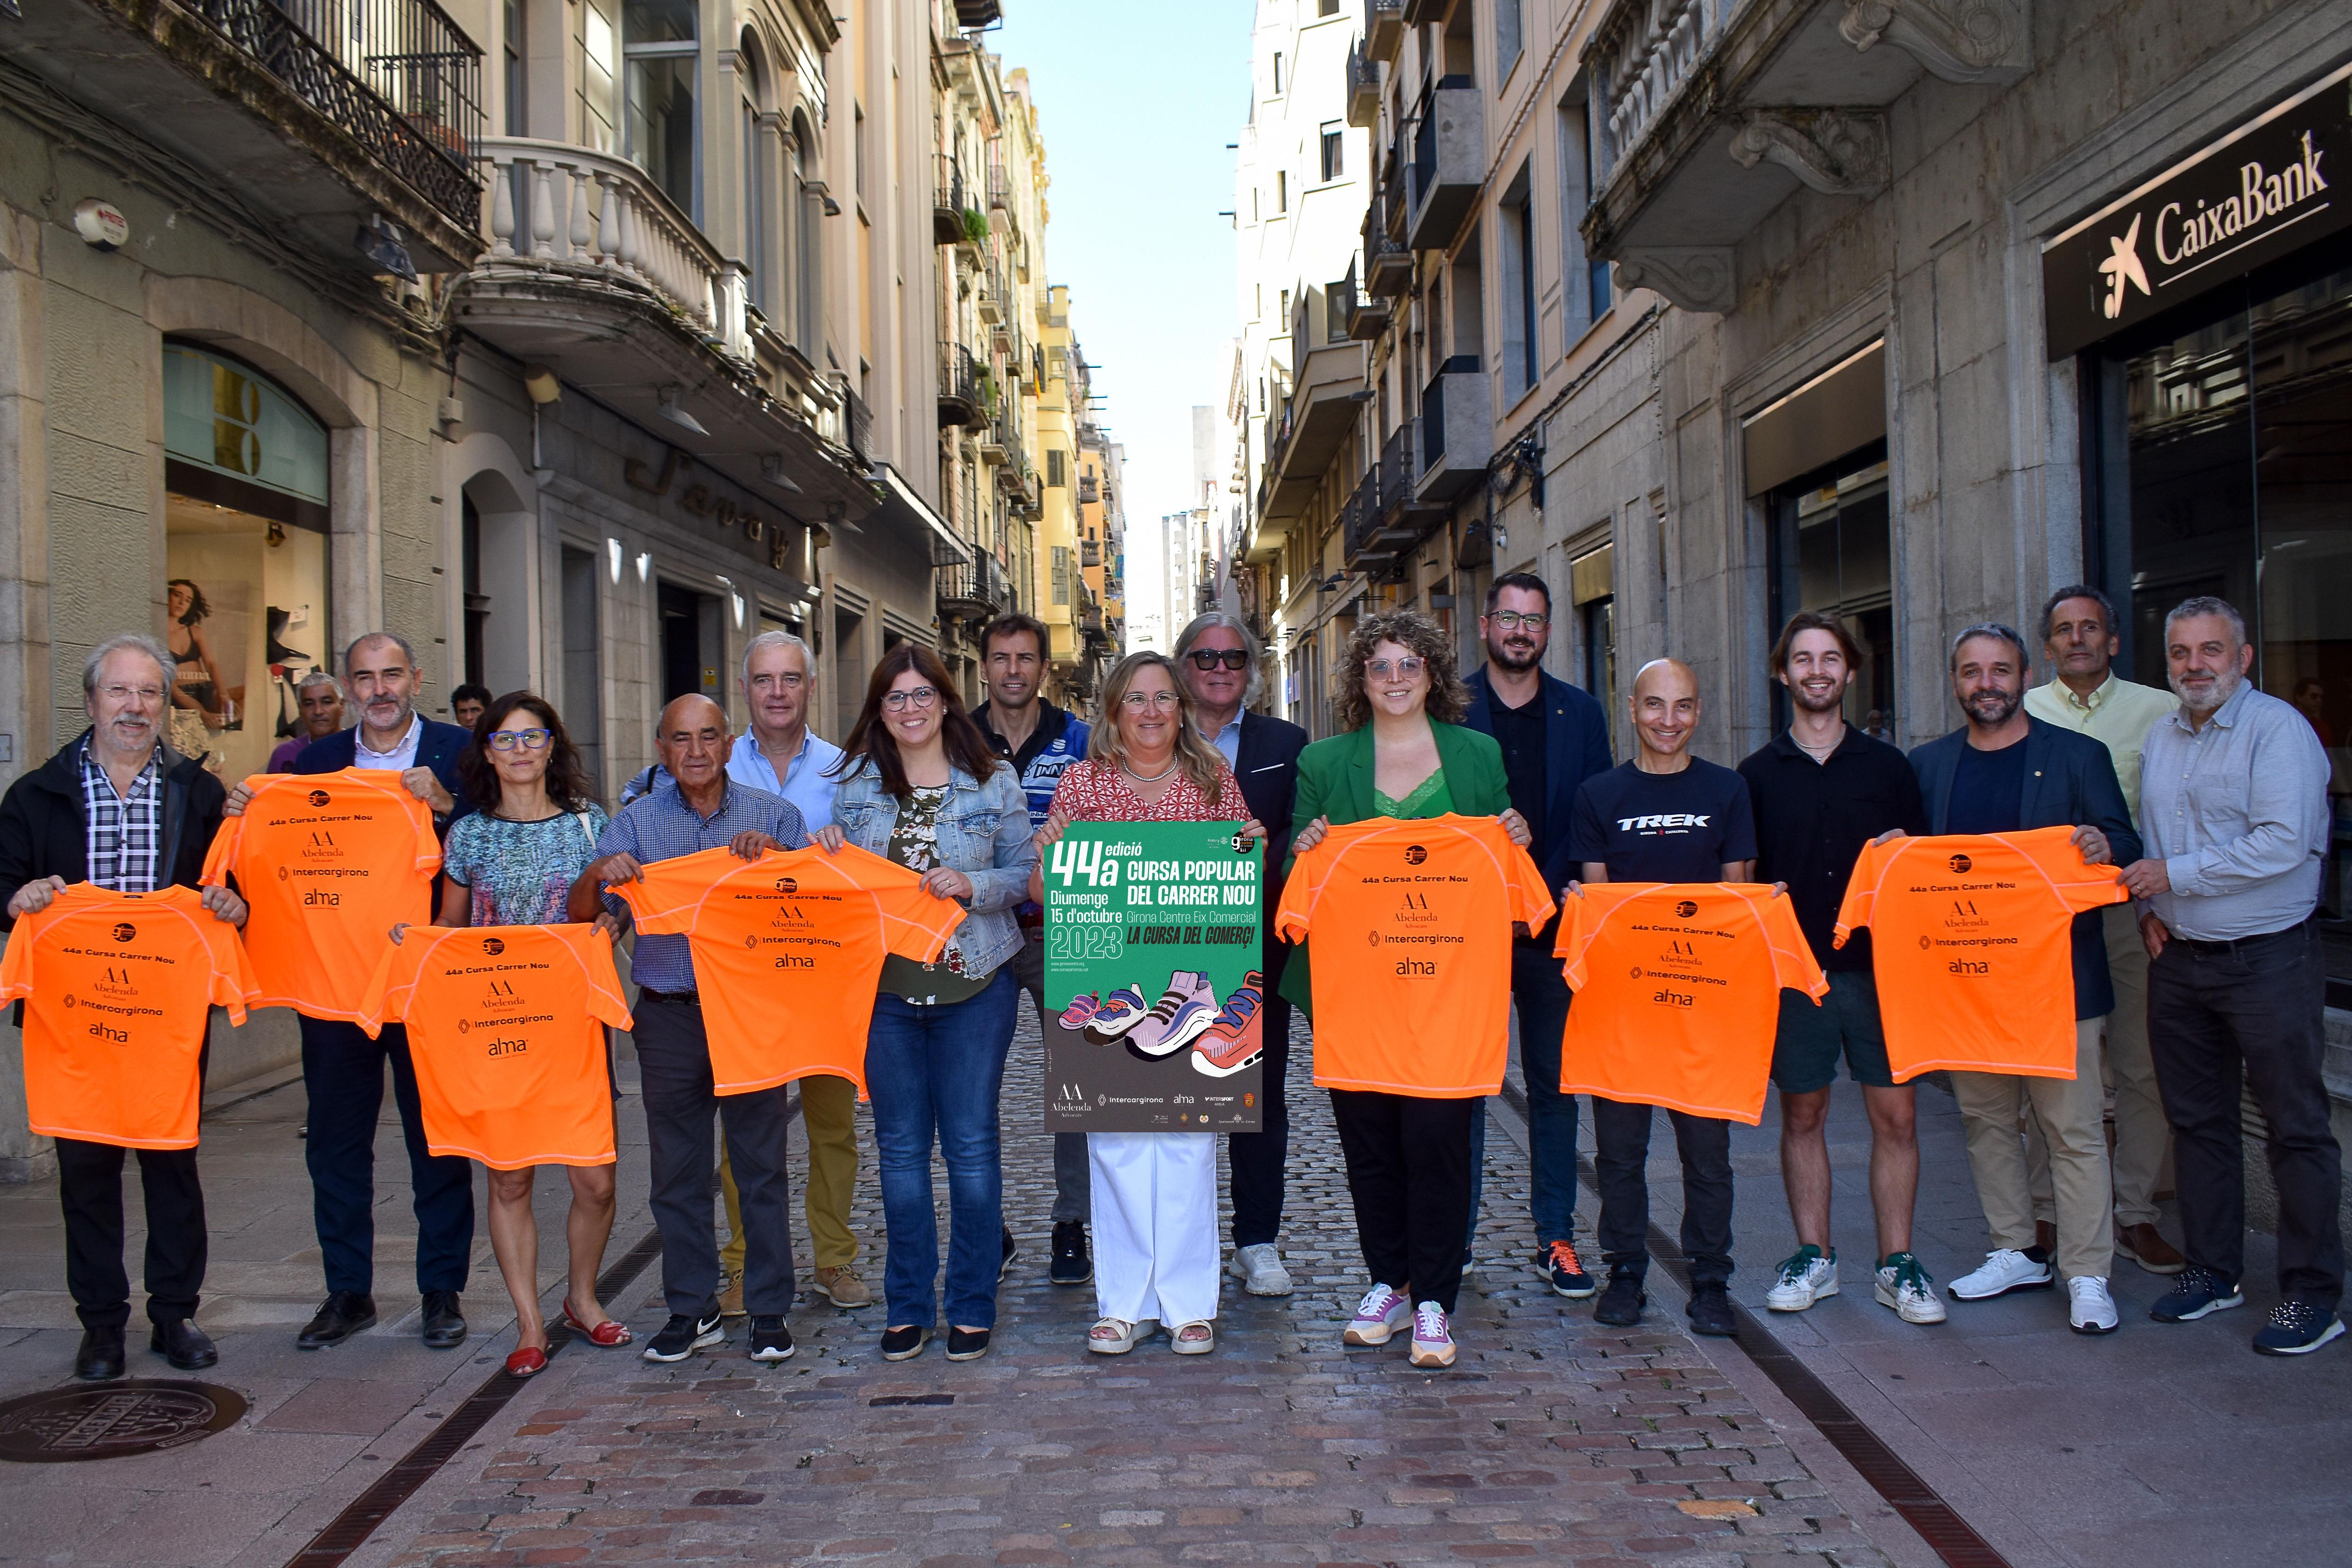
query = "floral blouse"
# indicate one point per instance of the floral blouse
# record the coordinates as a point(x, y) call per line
point(521, 873)
point(914, 843)
point(1098, 791)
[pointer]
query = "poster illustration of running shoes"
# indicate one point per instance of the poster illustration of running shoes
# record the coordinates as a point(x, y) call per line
point(1151, 962)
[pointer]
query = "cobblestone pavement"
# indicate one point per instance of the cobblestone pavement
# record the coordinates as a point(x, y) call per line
point(1552, 1440)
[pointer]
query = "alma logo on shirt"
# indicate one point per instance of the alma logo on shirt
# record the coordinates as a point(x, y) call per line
point(1676, 819)
point(319, 797)
point(1960, 865)
point(125, 930)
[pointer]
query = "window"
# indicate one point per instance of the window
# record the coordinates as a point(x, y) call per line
point(1507, 34)
point(1327, 7)
point(859, 155)
point(1585, 282)
point(660, 49)
point(1335, 157)
point(1058, 467)
point(808, 281)
point(759, 173)
point(1519, 285)
point(1061, 573)
point(517, 118)
point(1830, 546)
point(598, 69)
point(1282, 190)
point(1277, 73)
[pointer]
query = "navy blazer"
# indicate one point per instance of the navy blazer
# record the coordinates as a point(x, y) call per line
point(438, 748)
point(2070, 782)
point(1266, 764)
point(1576, 747)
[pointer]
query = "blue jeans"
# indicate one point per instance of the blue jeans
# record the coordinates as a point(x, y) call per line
point(933, 1074)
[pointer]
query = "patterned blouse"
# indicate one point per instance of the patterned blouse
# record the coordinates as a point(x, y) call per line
point(521, 873)
point(1098, 791)
point(915, 843)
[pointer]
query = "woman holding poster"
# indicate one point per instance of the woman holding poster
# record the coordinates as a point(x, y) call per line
point(1155, 1193)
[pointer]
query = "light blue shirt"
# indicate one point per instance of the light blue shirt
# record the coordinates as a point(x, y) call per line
point(1228, 742)
point(2238, 813)
point(808, 782)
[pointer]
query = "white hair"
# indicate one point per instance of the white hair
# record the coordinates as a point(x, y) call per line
point(769, 639)
point(320, 677)
point(2205, 605)
point(128, 642)
point(1209, 620)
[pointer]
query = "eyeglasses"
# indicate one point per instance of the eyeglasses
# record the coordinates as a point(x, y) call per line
point(149, 695)
point(1402, 668)
point(920, 697)
point(1136, 701)
point(1511, 621)
point(1209, 657)
point(528, 740)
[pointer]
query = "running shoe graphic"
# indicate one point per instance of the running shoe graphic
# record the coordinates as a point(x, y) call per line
point(1120, 1011)
point(1184, 1012)
point(1081, 1008)
point(1221, 1052)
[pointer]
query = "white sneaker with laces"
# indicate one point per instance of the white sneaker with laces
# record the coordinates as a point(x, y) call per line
point(1805, 1277)
point(1903, 1285)
point(1433, 1337)
point(1381, 1312)
point(2005, 1269)
point(1259, 1268)
point(2089, 1309)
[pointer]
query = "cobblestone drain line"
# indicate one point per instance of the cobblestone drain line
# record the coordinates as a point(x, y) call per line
point(1553, 1439)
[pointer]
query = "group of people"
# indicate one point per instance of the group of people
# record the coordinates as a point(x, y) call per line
point(2211, 799)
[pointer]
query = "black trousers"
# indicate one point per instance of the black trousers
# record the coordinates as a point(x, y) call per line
point(343, 1070)
point(2249, 1012)
point(1256, 1160)
point(1409, 1175)
point(89, 1186)
point(1621, 1157)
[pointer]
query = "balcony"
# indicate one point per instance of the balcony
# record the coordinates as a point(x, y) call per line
point(947, 200)
point(1458, 430)
point(1383, 28)
point(1325, 403)
point(1387, 265)
point(1707, 115)
point(320, 117)
point(972, 590)
point(857, 426)
point(1367, 315)
point(1090, 553)
point(1416, 11)
point(959, 401)
point(1448, 162)
point(1364, 89)
point(972, 14)
point(1000, 186)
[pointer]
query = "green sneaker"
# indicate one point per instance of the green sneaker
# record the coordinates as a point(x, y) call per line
point(1903, 1285)
point(1806, 1276)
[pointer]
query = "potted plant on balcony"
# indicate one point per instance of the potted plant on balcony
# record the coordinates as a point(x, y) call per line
point(975, 225)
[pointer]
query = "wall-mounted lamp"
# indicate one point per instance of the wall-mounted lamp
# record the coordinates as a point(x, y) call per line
point(612, 555)
point(645, 564)
point(668, 409)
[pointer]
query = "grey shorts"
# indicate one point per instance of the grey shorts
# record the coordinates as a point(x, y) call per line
point(1810, 1040)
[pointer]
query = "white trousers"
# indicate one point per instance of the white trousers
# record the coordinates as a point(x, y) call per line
point(1155, 1224)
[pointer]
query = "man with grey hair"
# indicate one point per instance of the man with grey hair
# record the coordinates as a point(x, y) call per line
point(318, 713)
point(2234, 793)
point(1219, 656)
point(118, 807)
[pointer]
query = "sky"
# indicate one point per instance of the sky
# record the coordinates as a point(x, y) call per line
point(1136, 103)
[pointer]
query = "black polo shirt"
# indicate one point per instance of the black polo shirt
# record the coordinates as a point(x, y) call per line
point(1520, 732)
point(1812, 820)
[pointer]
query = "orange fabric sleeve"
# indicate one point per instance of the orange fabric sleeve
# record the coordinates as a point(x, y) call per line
point(1793, 964)
point(1861, 889)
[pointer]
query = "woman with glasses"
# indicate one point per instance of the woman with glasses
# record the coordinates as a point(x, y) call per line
point(920, 786)
point(1155, 1193)
point(1404, 753)
point(512, 863)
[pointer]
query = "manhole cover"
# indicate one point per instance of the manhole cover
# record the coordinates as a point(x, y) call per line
point(109, 1420)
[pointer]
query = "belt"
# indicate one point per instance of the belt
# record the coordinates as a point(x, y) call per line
point(689, 998)
point(2232, 945)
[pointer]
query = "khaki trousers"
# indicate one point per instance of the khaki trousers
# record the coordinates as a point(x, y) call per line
point(2070, 1115)
point(829, 1115)
point(2142, 1155)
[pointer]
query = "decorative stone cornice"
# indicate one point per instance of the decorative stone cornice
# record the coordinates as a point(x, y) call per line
point(1837, 152)
point(1958, 40)
point(1702, 277)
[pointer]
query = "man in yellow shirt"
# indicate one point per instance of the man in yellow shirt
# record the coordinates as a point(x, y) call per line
point(2079, 639)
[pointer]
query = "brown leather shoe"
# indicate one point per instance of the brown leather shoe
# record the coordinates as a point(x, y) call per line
point(2145, 1245)
point(843, 1288)
point(730, 1297)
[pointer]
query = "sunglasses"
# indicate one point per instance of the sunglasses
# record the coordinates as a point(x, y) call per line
point(1209, 657)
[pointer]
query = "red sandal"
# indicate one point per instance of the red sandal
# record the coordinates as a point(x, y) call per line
point(527, 1360)
point(605, 1335)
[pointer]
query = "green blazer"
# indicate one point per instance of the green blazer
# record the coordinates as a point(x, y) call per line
point(1334, 781)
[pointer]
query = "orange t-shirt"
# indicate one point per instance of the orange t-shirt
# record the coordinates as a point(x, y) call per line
point(505, 1027)
point(1971, 945)
point(118, 990)
point(329, 863)
point(788, 950)
point(1410, 920)
point(1678, 992)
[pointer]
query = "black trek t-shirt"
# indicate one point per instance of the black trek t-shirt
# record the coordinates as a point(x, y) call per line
point(1663, 827)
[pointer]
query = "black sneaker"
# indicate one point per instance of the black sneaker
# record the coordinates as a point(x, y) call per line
point(771, 1341)
point(685, 1333)
point(1621, 1304)
point(1710, 1311)
point(2195, 1293)
point(904, 1343)
point(1011, 1251)
point(967, 1344)
point(1072, 1263)
point(2297, 1327)
point(1566, 1271)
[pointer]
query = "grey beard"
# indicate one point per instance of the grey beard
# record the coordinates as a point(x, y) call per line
point(2225, 687)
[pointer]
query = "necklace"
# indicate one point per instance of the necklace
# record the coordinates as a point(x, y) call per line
point(1134, 777)
point(1819, 753)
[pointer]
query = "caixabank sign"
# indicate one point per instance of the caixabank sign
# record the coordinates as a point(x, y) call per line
point(2267, 189)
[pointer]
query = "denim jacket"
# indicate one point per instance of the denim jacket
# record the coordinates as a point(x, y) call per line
point(983, 832)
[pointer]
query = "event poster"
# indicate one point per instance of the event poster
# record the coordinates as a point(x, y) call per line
point(1151, 960)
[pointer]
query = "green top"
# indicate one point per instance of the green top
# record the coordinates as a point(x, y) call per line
point(1335, 782)
point(914, 843)
point(1430, 798)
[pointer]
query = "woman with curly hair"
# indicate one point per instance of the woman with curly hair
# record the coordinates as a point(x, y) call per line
point(1403, 753)
point(512, 863)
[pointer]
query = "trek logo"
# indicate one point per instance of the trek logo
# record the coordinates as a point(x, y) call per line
point(493, 945)
point(1666, 819)
point(125, 931)
point(1686, 908)
point(319, 797)
point(1960, 865)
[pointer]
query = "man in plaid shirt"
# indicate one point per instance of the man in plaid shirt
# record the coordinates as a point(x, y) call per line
point(119, 808)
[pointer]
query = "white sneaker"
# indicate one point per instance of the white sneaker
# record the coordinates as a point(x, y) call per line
point(2089, 1309)
point(1381, 1312)
point(1259, 1268)
point(2005, 1269)
point(1903, 1285)
point(1805, 1277)
point(1433, 1337)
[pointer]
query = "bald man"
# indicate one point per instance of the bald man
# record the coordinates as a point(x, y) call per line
point(706, 810)
point(1665, 817)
